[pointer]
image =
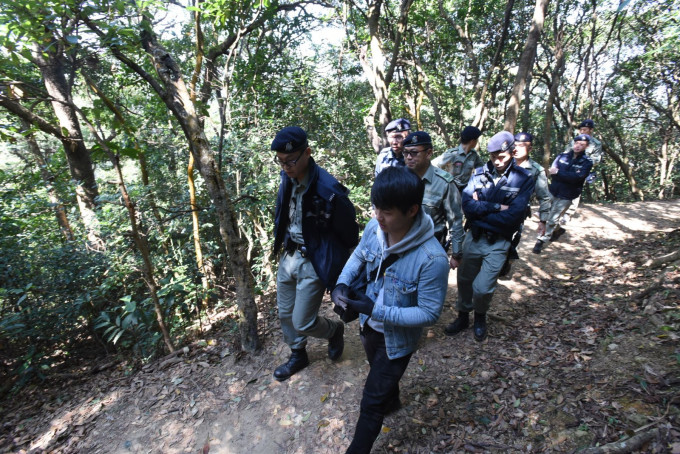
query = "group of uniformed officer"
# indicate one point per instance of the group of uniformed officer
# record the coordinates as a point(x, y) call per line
point(316, 226)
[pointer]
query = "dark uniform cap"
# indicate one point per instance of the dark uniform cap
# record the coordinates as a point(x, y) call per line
point(470, 133)
point(417, 138)
point(400, 124)
point(289, 140)
point(587, 124)
point(524, 137)
point(580, 137)
point(500, 142)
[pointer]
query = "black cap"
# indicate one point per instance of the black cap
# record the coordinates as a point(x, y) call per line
point(418, 138)
point(581, 137)
point(524, 137)
point(587, 124)
point(470, 133)
point(400, 124)
point(289, 140)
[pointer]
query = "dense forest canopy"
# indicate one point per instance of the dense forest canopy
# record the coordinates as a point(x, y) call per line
point(136, 179)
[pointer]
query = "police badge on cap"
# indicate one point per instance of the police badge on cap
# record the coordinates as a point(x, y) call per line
point(501, 142)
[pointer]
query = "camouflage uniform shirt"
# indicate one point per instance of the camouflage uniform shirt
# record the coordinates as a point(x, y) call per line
point(442, 202)
point(459, 164)
point(541, 188)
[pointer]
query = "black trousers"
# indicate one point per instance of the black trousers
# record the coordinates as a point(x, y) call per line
point(380, 390)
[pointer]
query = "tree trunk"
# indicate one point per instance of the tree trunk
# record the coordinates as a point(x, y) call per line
point(552, 96)
point(526, 62)
point(205, 282)
point(379, 70)
point(481, 111)
point(48, 181)
point(50, 62)
point(177, 98)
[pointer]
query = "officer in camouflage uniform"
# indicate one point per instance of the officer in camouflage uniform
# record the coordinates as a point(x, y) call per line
point(523, 145)
point(462, 161)
point(441, 200)
point(494, 203)
point(594, 152)
point(391, 156)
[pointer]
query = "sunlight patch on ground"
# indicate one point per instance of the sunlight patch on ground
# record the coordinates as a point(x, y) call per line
point(75, 418)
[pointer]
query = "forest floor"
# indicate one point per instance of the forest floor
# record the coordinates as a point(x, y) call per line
point(583, 351)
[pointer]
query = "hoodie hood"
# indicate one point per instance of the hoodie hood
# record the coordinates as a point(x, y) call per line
point(421, 231)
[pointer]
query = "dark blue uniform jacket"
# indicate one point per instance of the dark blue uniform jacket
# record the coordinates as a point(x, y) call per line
point(572, 172)
point(514, 189)
point(329, 225)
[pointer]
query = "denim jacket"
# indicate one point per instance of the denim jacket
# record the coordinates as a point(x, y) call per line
point(414, 287)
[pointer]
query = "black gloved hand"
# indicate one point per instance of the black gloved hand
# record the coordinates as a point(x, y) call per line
point(340, 307)
point(340, 290)
point(359, 302)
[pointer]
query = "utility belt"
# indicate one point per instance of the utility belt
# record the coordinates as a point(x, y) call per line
point(478, 232)
point(291, 246)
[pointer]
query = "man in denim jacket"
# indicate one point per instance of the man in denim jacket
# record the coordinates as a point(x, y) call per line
point(407, 273)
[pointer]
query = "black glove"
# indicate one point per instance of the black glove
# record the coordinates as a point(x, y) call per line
point(359, 302)
point(340, 290)
point(340, 307)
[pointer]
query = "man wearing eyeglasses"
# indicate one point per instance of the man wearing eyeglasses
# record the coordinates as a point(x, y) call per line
point(392, 156)
point(316, 225)
point(442, 199)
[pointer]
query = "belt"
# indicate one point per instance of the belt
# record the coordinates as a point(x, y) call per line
point(292, 246)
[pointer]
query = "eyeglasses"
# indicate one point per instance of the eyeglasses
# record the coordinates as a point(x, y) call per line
point(289, 163)
point(414, 153)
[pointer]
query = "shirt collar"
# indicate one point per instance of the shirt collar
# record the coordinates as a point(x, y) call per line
point(429, 174)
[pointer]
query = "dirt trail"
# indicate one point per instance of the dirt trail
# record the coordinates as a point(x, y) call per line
point(571, 361)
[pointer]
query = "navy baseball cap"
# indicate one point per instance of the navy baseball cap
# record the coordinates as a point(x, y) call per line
point(581, 137)
point(289, 140)
point(400, 124)
point(500, 142)
point(470, 133)
point(418, 138)
point(587, 124)
point(524, 137)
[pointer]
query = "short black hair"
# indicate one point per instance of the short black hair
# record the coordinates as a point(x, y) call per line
point(397, 187)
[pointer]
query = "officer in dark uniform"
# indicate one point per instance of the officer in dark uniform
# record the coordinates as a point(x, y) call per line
point(316, 225)
point(568, 172)
point(494, 204)
point(391, 156)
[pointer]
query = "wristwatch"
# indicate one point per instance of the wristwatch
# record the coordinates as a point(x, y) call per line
point(497, 207)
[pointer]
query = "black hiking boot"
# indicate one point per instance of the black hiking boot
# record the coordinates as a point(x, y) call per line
point(537, 247)
point(336, 343)
point(298, 360)
point(459, 324)
point(480, 327)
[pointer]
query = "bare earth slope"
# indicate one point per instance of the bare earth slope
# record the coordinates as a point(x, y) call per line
point(574, 359)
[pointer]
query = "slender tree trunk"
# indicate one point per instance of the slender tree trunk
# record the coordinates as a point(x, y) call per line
point(205, 282)
point(143, 168)
point(50, 62)
point(48, 180)
point(481, 112)
point(526, 62)
point(552, 97)
point(621, 161)
point(177, 98)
